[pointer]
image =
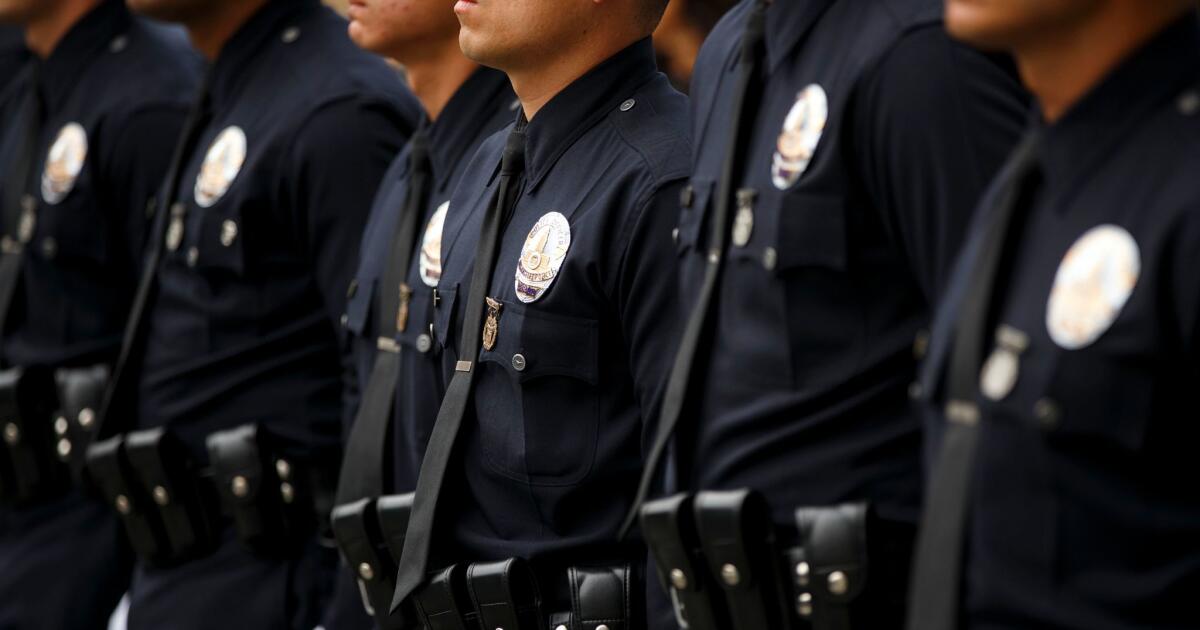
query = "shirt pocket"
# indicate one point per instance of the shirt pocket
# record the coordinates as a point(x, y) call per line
point(74, 231)
point(419, 330)
point(539, 411)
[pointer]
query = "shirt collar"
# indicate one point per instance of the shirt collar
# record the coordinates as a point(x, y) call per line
point(473, 105)
point(582, 104)
point(1093, 128)
point(236, 55)
point(96, 31)
point(788, 21)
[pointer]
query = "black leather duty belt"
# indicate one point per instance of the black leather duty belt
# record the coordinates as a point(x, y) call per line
point(724, 564)
point(173, 510)
point(508, 594)
point(47, 417)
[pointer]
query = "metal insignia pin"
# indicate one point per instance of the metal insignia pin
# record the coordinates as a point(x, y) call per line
point(743, 221)
point(406, 294)
point(491, 326)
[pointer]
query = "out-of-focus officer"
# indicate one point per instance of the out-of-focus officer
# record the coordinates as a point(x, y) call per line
point(221, 435)
point(554, 314)
point(840, 148)
point(86, 133)
point(392, 296)
point(1063, 362)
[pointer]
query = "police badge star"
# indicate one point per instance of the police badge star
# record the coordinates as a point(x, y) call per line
point(542, 256)
point(221, 166)
point(64, 163)
point(802, 131)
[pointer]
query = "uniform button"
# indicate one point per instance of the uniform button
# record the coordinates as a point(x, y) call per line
point(678, 579)
point(675, 235)
point(1047, 413)
point(352, 289)
point(229, 232)
point(366, 572)
point(193, 256)
point(283, 468)
point(290, 34)
point(770, 258)
point(602, 627)
point(518, 362)
point(118, 43)
point(730, 575)
point(424, 343)
point(239, 486)
point(628, 105)
point(49, 247)
point(560, 627)
point(161, 496)
point(122, 504)
point(287, 492)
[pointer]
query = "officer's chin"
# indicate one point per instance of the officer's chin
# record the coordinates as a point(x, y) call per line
point(978, 23)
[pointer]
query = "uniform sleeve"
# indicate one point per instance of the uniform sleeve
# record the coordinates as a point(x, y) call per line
point(338, 160)
point(931, 124)
point(648, 299)
point(138, 159)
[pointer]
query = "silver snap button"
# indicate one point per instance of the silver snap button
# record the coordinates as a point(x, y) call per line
point(424, 343)
point(161, 496)
point(12, 433)
point(804, 604)
point(239, 486)
point(122, 504)
point(802, 571)
point(518, 362)
point(283, 468)
point(675, 235)
point(86, 417)
point(628, 105)
point(290, 34)
point(770, 258)
point(287, 492)
point(229, 232)
point(838, 583)
point(60, 426)
point(366, 572)
point(678, 579)
point(64, 448)
point(730, 574)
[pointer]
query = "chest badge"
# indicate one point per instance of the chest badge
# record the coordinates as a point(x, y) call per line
point(802, 130)
point(1092, 285)
point(491, 325)
point(64, 163)
point(221, 166)
point(430, 263)
point(542, 256)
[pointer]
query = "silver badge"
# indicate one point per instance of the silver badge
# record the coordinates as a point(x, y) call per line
point(542, 256)
point(1092, 285)
point(430, 263)
point(64, 163)
point(221, 166)
point(802, 130)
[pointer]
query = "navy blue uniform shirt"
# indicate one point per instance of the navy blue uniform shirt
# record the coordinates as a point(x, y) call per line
point(1084, 513)
point(481, 106)
point(12, 55)
point(550, 453)
point(244, 326)
point(115, 92)
point(874, 138)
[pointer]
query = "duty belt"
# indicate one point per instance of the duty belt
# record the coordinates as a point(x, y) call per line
point(509, 594)
point(726, 566)
point(173, 510)
point(47, 417)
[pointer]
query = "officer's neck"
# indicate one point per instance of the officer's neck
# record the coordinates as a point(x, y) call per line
point(1061, 67)
point(436, 74)
point(211, 28)
point(43, 32)
point(540, 80)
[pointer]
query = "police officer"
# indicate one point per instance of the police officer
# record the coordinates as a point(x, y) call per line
point(221, 437)
point(840, 147)
point(87, 130)
point(392, 296)
point(554, 316)
point(1063, 360)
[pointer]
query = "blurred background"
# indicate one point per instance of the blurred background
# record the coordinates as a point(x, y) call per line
point(678, 38)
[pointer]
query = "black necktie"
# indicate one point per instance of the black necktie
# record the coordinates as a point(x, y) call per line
point(414, 561)
point(362, 464)
point(938, 562)
point(748, 91)
point(19, 207)
point(195, 123)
